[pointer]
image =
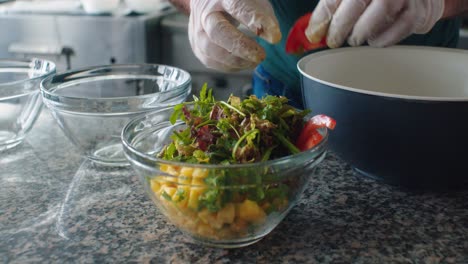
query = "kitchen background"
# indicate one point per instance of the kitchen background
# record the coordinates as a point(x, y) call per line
point(82, 33)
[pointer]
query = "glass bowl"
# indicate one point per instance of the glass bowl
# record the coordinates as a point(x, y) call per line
point(92, 105)
point(224, 206)
point(20, 101)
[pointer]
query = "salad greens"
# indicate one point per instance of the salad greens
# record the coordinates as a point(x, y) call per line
point(231, 202)
point(234, 131)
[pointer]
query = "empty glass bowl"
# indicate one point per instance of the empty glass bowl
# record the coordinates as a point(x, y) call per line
point(92, 105)
point(20, 100)
point(224, 206)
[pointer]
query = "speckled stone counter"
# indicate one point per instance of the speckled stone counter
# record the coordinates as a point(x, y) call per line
point(57, 207)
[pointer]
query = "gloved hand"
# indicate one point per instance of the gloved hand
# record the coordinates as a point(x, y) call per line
point(379, 22)
point(217, 42)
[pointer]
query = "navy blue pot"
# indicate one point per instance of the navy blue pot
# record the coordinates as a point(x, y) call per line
point(401, 112)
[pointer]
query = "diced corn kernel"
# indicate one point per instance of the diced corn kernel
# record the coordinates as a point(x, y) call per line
point(251, 212)
point(227, 213)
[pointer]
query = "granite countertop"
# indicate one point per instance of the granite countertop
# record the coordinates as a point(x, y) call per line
point(56, 206)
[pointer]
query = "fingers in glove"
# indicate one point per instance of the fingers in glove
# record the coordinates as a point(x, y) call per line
point(401, 29)
point(343, 21)
point(379, 16)
point(221, 32)
point(320, 20)
point(221, 66)
point(216, 57)
point(257, 15)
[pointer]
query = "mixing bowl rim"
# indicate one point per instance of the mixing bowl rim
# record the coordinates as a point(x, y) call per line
point(45, 75)
point(51, 93)
point(312, 153)
point(305, 60)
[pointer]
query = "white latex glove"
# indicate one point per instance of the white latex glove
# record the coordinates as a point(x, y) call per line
point(217, 42)
point(379, 22)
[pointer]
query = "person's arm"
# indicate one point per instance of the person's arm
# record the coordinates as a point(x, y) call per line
point(455, 8)
point(182, 5)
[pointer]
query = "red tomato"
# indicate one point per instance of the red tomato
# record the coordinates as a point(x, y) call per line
point(323, 121)
point(311, 141)
point(297, 42)
point(309, 136)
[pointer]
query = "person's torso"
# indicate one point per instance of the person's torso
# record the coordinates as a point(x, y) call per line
point(283, 66)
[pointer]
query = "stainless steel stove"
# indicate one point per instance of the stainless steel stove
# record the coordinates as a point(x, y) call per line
point(79, 40)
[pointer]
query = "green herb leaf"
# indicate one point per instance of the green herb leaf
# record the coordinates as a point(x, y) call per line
point(166, 196)
point(176, 114)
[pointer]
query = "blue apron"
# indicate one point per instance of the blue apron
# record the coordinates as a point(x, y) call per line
point(278, 74)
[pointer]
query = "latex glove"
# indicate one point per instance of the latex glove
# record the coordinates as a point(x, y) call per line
point(379, 22)
point(217, 42)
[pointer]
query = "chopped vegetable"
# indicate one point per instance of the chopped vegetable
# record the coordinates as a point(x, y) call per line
point(236, 131)
point(297, 42)
point(220, 203)
point(323, 121)
point(309, 136)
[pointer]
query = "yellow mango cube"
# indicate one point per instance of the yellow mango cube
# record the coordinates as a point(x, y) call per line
point(172, 170)
point(227, 214)
point(210, 218)
point(206, 216)
point(155, 185)
point(195, 193)
point(205, 230)
point(198, 181)
point(199, 173)
point(239, 226)
point(186, 171)
point(198, 176)
point(163, 167)
point(184, 180)
point(180, 197)
point(168, 190)
point(250, 211)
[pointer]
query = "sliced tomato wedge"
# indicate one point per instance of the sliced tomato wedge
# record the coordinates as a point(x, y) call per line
point(313, 138)
point(297, 42)
point(323, 121)
point(309, 136)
